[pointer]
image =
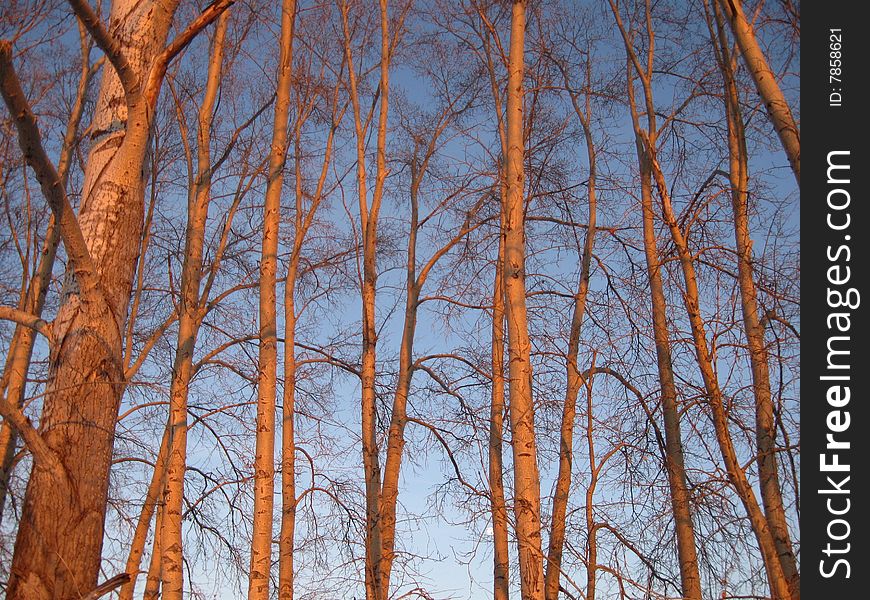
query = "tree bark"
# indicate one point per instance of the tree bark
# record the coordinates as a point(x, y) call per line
point(21, 347)
point(765, 425)
point(778, 584)
point(527, 487)
point(573, 382)
point(765, 82)
point(59, 542)
point(674, 459)
point(498, 506)
point(264, 462)
point(190, 319)
point(374, 579)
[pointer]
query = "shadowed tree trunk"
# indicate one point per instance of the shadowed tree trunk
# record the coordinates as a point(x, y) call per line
point(681, 505)
point(765, 424)
point(574, 380)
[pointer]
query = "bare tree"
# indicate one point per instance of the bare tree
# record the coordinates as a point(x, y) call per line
point(60, 536)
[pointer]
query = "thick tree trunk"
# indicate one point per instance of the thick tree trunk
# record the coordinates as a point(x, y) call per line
point(21, 347)
point(527, 487)
point(765, 82)
point(57, 552)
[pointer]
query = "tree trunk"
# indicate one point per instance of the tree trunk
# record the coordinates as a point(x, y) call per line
point(498, 505)
point(765, 82)
point(140, 535)
point(374, 580)
point(264, 462)
point(399, 417)
point(573, 382)
point(57, 551)
point(190, 319)
point(674, 459)
point(681, 504)
point(21, 347)
point(302, 223)
point(778, 584)
point(527, 487)
point(765, 425)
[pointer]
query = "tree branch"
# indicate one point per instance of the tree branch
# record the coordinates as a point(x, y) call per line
point(107, 43)
point(52, 188)
point(26, 319)
point(158, 70)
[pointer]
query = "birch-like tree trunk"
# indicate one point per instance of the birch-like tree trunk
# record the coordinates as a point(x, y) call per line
point(765, 423)
point(574, 380)
point(267, 381)
point(495, 450)
point(527, 487)
point(191, 312)
point(498, 506)
point(57, 551)
point(303, 219)
point(674, 459)
point(369, 213)
point(15, 370)
point(765, 82)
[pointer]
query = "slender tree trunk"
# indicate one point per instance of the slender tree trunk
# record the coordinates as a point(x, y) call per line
point(573, 381)
point(594, 471)
point(59, 543)
point(264, 462)
point(765, 425)
point(288, 431)
point(190, 318)
point(153, 497)
point(20, 352)
point(681, 498)
point(681, 504)
point(527, 487)
point(399, 417)
point(153, 577)
point(765, 82)
point(498, 506)
point(374, 579)
point(778, 584)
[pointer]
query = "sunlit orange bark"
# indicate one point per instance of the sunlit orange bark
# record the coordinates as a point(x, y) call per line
point(527, 486)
